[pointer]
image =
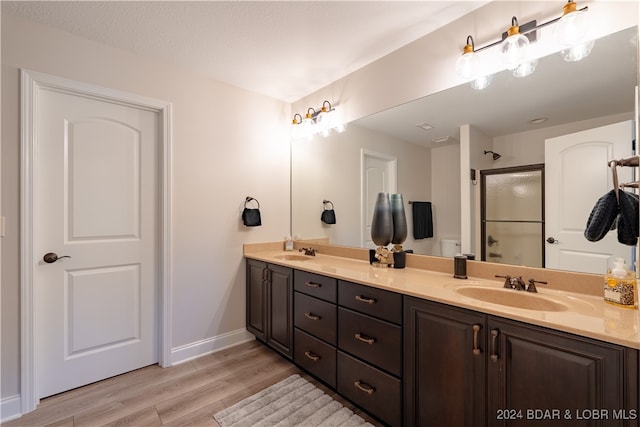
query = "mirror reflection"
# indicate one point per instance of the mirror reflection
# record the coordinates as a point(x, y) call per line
point(417, 149)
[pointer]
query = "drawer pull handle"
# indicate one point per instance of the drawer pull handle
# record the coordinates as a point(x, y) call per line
point(476, 332)
point(494, 350)
point(311, 316)
point(364, 387)
point(312, 356)
point(365, 299)
point(313, 285)
point(365, 338)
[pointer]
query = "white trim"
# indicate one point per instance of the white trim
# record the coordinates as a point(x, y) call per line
point(31, 81)
point(10, 408)
point(393, 183)
point(187, 352)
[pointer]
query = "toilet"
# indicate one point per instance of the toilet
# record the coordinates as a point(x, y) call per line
point(449, 248)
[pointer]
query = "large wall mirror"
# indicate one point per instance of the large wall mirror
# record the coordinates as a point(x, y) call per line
point(433, 143)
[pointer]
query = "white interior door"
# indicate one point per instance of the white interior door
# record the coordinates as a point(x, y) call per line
point(378, 176)
point(97, 203)
point(576, 176)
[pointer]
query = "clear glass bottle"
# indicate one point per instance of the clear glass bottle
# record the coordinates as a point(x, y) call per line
point(620, 286)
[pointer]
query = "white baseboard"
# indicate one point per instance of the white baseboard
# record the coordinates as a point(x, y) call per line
point(10, 408)
point(184, 353)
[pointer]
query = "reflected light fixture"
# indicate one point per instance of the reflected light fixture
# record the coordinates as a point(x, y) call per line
point(515, 48)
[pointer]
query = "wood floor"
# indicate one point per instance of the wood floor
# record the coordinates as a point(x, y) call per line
point(184, 395)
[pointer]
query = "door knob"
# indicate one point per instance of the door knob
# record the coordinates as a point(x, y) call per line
point(552, 240)
point(52, 257)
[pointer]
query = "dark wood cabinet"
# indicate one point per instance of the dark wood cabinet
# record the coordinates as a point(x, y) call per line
point(464, 368)
point(444, 365)
point(270, 305)
point(532, 368)
point(413, 362)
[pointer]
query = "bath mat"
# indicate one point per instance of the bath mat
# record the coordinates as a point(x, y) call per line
point(293, 401)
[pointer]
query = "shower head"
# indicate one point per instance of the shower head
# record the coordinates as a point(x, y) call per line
point(495, 156)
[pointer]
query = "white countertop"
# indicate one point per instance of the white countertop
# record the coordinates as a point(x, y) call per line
point(581, 314)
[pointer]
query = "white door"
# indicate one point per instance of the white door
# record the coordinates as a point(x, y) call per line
point(97, 170)
point(378, 176)
point(576, 176)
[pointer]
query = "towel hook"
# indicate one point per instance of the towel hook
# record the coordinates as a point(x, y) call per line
point(324, 202)
point(613, 164)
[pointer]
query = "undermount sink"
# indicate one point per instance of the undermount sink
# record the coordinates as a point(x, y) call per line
point(512, 298)
point(292, 257)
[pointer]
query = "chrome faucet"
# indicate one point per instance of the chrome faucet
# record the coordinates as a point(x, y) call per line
point(308, 251)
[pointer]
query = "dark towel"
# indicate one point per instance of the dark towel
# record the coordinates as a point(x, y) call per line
point(628, 218)
point(602, 217)
point(422, 220)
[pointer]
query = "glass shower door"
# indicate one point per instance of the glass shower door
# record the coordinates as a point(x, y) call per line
point(513, 215)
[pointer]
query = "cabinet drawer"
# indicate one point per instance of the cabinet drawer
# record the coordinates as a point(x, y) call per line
point(375, 302)
point(373, 340)
point(378, 393)
point(315, 285)
point(315, 356)
point(315, 316)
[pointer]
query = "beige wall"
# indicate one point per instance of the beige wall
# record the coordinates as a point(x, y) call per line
point(218, 159)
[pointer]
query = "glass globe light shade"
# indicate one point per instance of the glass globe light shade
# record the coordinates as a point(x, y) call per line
point(525, 69)
point(514, 49)
point(306, 127)
point(577, 52)
point(468, 65)
point(323, 123)
point(572, 27)
point(482, 82)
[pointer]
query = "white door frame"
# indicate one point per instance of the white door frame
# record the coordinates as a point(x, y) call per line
point(392, 164)
point(31, 82)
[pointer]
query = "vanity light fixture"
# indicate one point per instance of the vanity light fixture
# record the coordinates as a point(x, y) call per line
point(570, 34)
point(468, 65)
point(321, 121)
point(515, 47)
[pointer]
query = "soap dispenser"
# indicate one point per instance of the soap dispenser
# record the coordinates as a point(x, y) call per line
point(620, 286)
point(288, 243)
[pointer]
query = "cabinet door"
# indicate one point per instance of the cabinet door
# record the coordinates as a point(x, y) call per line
point(533, 369)
point(444, 365)
point(280, 310)
point(256, 298)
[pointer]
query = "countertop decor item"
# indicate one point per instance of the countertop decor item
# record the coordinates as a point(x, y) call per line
point(382, 230)
point(399, 230)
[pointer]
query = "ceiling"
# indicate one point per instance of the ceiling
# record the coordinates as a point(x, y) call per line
point(283, 49)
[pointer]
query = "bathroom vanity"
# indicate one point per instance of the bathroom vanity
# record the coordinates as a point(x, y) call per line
point(412, 347)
